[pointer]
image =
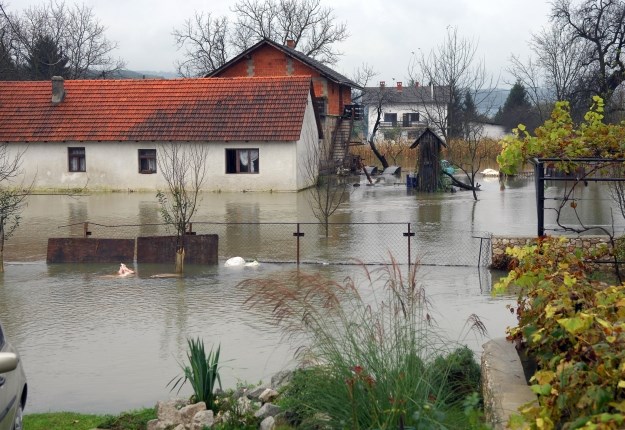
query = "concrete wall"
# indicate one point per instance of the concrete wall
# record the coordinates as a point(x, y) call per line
point(87, 250)
point(199, 249)
point(115, 165)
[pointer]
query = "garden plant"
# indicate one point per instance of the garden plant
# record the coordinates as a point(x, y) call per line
point(371, 355)
point(202, 372)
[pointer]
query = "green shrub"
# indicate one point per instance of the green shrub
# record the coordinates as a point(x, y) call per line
point(574, 327)
point(369, 353)
point(202, 372)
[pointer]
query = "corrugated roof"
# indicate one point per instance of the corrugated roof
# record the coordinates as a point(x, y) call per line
point(311, 62)
point(215, 109)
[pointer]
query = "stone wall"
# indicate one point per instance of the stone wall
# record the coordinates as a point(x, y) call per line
point(502, 261)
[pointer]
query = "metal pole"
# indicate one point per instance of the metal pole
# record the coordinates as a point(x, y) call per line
point(298, 234)
point(409, 235)
point(539, 175)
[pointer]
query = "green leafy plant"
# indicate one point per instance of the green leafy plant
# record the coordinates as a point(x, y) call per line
point(231, 415)
point(202, 372)
point(574, 327)
point(369, 351)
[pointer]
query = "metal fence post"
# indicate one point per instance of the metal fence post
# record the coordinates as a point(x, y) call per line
point(298, 234)
point(409, 235)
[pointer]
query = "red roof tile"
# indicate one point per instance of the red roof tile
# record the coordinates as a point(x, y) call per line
point(205, 109)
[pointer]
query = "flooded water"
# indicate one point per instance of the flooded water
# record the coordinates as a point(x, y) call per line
point(96, 343)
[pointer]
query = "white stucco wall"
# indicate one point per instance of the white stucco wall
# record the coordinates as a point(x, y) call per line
point(308, 147)
point(115, 165)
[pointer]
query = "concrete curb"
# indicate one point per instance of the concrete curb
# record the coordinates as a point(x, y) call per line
point(503, 383)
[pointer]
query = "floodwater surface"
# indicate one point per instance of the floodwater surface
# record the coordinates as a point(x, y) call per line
point(93, 342)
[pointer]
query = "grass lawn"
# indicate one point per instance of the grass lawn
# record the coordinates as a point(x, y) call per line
point(132, 420)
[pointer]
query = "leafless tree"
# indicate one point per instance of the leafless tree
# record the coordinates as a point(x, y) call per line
point(183, 166)
point(377, 99)
point(208, 40)
point(75, 30)
point(600, 25)
point(204, 39)
point(12, 195)
point(328, 190)
point(554, 72)
point(453, 70)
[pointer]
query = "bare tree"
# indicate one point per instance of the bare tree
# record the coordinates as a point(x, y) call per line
point(204, 39)
point(452, 70)
point(377, 99)
point(328, 190)
point(208, 40)
point(74, 30)
point(555, 71)
point(12, 195)
point(183, 166)
point(600, 25)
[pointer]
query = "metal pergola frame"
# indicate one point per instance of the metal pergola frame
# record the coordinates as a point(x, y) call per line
point(539, 180)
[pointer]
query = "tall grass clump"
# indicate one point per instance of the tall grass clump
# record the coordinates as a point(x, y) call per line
point(371, 355)
point(202, 372)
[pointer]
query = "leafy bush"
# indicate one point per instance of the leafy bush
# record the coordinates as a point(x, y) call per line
point(575, 329)
point(202, 372)
point(369, 354)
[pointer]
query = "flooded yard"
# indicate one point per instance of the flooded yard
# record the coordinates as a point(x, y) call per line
point(96, 343)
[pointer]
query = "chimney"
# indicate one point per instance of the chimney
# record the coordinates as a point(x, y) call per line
point(382, 84)
point(399, 86)
point(416, 84)
point(290, 43)
point(58, 90)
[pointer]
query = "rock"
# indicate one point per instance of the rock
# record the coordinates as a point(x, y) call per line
point(179, 427)
point(244, 405)
point(255, 393)
point(203, 419)
point(169, 412)
point(156, 425)
point(188, 412)
point(268, 395)
point(267, 410)
point(281, 378)
point(268, 423)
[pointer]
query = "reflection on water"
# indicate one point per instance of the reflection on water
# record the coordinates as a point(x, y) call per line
point(96, 343)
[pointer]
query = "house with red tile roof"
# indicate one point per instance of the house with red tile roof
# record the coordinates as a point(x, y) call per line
point(107, 133)
point(332, 91)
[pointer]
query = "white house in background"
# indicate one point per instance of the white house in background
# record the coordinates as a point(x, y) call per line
point(406, 110)
point(106, 134)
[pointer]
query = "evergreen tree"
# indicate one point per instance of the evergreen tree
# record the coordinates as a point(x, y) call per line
point(517, 109)
point(46, 60)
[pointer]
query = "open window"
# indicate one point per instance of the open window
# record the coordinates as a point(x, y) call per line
point(147, 161)
point(76, 159)
point(242, 160)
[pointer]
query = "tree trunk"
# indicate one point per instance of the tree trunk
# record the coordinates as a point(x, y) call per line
point(179, 260)
point(381, 157)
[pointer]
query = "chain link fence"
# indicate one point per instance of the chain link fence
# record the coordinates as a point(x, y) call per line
point(317, 243)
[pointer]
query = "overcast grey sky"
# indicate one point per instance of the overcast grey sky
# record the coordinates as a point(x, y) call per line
point(383, 33)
